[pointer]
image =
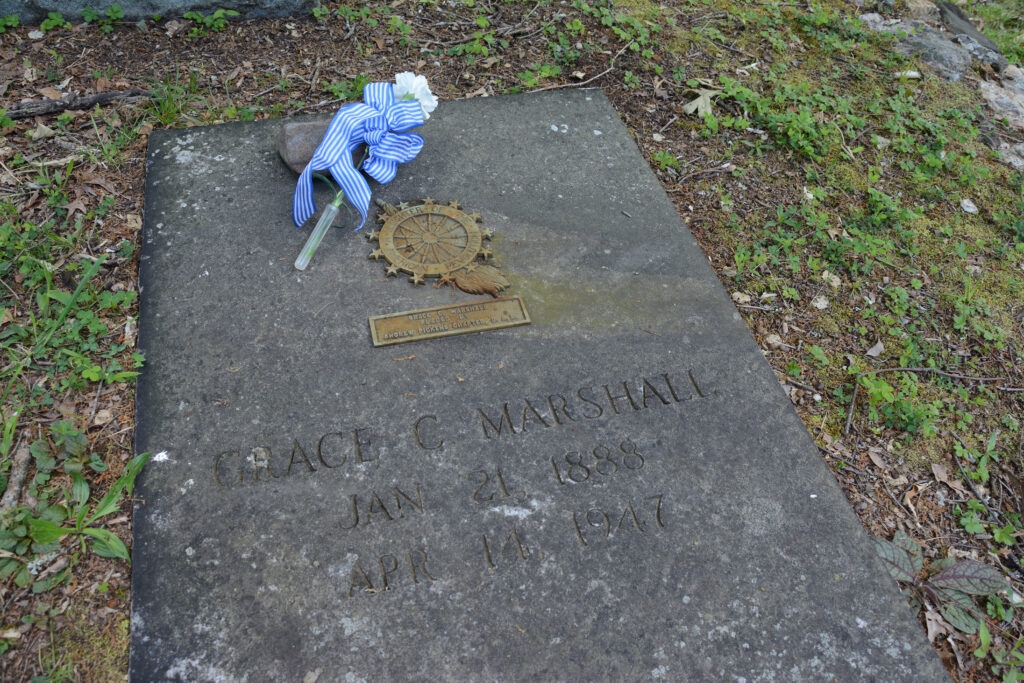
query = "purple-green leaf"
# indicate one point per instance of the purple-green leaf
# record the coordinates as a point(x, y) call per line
point(959, 618)
point(955, 597)
point(971, 577)
point(897, 560)
point(903, 540)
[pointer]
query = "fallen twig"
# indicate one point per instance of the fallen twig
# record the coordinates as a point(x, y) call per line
point(893, 498)
point(322, 103)
point(19, 470)
point(35, 107)
point(724, 168)
point(589, 80)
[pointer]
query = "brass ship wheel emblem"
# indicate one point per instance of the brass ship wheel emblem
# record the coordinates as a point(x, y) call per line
point(432, 240)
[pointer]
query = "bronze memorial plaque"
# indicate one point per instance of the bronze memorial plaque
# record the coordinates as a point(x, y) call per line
point(445, 321)
point(431, 240)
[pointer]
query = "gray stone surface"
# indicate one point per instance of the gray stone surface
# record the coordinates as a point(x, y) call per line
point(974, 41)
point(34, 11)
point(754, 568)
point(1006, 102)
point(917, 39)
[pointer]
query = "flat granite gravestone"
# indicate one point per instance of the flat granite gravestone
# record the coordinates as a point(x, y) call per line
point(618, 490)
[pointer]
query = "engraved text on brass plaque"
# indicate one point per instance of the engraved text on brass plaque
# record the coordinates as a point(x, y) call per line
point(445, 321)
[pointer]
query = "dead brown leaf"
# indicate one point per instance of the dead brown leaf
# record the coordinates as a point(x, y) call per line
point(77, 205)
point(93, 179)
point(940, 473)
point(660, 92)
point(41, 132)
point(172, 27)
point(701, 105)
point(876, 457)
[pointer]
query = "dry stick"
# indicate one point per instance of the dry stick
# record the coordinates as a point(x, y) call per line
point(95, 402)
point(670, 122)
point(323, 103)
point(35, 107)
point(1013, 496)
point(893, 498)
point(589, 80)
point(263, 92)
point(856, 385)
point(18, 472)
point(734, 49)
point(708, 172)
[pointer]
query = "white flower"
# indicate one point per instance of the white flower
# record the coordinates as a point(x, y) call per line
point(409, 86)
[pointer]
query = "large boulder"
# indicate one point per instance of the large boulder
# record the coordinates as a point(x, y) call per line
point(916, 38)
point(1007, 100)
point(973, 40)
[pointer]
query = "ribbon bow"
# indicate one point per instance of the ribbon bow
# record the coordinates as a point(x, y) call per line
point(377, 122)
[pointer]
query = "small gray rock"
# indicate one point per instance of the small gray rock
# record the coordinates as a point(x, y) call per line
point(1013, 155)
point(989, 134)
point(298, 140)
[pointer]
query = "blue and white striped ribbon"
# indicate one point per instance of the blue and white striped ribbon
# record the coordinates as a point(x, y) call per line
point(376, 121)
